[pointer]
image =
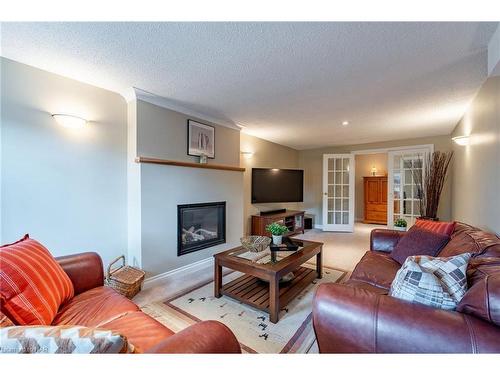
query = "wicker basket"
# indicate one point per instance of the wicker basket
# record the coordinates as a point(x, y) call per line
point(125, 280)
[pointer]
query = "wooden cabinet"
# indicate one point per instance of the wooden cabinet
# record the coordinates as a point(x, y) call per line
point(294, 220)
point(375, 192)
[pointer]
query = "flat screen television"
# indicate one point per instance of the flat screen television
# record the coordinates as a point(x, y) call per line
point(277, 185)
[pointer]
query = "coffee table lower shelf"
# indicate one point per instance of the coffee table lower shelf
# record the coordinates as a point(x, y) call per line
point(255, 292)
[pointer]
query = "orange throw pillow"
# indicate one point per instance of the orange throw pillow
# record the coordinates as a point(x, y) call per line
point(441, 227)
point(32, 284)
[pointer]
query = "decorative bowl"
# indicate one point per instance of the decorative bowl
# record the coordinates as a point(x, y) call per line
point(255, 244)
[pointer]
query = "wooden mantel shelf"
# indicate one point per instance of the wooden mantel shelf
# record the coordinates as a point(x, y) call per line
point(143, 159)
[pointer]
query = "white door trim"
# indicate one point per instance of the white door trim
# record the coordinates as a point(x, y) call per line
point(386, 150)
point(352, 171)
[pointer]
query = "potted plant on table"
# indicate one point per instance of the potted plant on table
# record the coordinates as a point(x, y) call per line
point(277, 230)
point(400, 224)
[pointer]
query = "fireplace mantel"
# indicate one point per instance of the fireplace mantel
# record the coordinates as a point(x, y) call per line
point(144, 159)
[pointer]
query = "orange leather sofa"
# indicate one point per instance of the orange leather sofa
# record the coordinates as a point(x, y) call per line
point(96, 305)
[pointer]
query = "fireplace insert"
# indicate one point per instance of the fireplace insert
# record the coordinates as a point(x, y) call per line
point(200, 225)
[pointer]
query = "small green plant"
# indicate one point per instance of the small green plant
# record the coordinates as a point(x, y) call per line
point(276, 229)
point(401, 223)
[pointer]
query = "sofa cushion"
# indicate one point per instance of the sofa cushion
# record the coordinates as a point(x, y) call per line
point(418, 241)
point(467, 239)
point(366, 286)
point(377, 269)
point(94, 307)
point(443, 227)
point(483, 297)
point(142, 331)
point(437, 282)
point(33, 285)
point(62, 340)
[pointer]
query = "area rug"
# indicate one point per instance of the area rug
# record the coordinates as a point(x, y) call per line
point(292, 334)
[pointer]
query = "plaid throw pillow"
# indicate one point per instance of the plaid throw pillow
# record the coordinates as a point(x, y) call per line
point(61, 340)
point(436, 282)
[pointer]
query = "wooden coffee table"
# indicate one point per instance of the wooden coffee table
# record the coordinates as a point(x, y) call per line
point(260, 285)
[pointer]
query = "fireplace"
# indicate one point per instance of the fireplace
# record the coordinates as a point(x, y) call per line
point(200, 225)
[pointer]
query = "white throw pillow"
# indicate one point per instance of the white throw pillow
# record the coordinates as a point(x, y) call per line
point(436, 282)
point(61, 339)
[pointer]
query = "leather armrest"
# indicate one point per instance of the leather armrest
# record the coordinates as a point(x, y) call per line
point(384, 239)
point(84, 269)
point(354, 320)
point(208, 337)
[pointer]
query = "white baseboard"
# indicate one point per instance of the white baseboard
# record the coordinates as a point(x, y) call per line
point(158, 279)
point(318, 226)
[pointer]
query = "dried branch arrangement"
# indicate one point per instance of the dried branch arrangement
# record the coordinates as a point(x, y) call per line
point(430, 183)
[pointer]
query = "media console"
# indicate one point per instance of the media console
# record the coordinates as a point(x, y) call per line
point(293, 220)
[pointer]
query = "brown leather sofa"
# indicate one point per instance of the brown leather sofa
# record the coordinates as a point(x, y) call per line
point(95, 305)
point(359, 317)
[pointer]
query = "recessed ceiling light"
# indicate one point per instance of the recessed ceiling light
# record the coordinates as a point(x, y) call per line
point(345, 123)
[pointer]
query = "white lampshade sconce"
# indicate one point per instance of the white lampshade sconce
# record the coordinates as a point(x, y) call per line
point(462, 140)
point(70, 121)
point(247, 154)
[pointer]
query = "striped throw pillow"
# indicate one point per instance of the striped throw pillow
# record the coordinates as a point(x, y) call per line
point(5, 321)
point(32, 284)
point(441, 227)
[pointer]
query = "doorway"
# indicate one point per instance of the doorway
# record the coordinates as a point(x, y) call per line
point(372, 186)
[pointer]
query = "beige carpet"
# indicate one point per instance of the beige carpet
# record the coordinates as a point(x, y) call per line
point(256, 334)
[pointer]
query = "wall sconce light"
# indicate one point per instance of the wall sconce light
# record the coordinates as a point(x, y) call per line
point(374, 171)
point(462, 140)
point(69, 121)
point(247, 154)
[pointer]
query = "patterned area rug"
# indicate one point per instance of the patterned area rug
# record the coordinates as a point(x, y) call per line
point(292, 334)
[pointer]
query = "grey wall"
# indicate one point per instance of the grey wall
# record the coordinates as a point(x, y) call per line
point(162, 133)
point(312, 162)
point(476, 171)
point(163, 188)
point(66, 188)
point(266, 155)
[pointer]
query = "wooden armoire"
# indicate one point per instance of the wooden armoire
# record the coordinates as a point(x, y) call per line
point(375, 192)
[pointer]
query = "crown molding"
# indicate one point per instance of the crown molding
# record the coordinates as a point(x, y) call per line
point(134, 93)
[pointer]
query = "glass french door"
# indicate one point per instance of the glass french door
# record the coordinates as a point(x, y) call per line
point(338, 192)
point(406, 167)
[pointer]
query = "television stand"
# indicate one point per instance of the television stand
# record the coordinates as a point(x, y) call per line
point(293, 220)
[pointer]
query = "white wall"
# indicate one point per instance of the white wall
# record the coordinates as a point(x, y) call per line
point(476, 168)
point(66, 188)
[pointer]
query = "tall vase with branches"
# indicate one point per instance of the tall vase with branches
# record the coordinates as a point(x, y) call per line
point(430, 182)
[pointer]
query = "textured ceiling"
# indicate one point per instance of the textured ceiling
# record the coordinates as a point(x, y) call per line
point(291, 83)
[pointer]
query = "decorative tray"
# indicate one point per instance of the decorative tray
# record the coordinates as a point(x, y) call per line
point(286, 245)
